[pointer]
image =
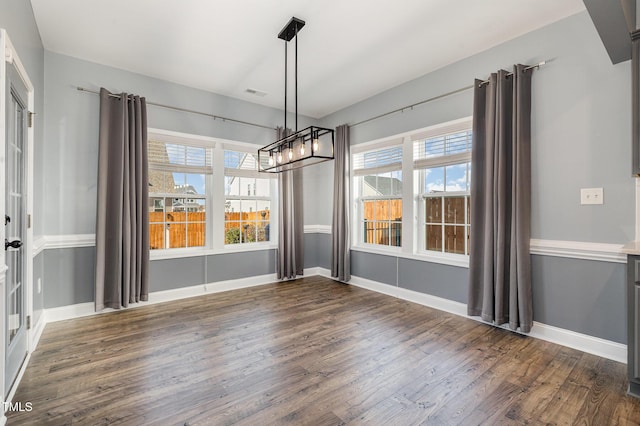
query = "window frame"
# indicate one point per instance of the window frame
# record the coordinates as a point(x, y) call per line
point(413, 204)
point(441, 161)
point(215, 197)
point(273, 183)
point(358, 199)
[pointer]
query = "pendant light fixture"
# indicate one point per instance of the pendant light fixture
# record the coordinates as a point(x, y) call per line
point(308, 146)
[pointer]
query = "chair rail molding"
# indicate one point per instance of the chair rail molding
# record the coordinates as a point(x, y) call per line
point(604, 252)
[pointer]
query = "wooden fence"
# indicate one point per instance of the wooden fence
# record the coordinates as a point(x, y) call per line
point(176, 231)
point(383, 209)
point(188, 229)
point(387, 228)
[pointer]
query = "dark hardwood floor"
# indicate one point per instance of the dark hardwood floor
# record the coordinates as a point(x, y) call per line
point(310, 352)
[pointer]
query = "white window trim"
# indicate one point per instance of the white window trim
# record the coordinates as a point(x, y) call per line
point(410, 247)
point(422, 225)
point(273, 199)
point(214, 227)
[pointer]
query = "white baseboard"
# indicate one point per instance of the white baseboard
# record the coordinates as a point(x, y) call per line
point(69, 312)
point(583, 342)
point(310, 272)
point(37, 332)
point(85, 309)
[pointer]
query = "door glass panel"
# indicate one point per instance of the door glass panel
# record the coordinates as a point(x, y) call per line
point(15, 320)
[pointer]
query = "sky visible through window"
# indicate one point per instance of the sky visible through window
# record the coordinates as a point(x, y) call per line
point(450, 178)
point(447, 178)
point(188, 155)
point(180, 154)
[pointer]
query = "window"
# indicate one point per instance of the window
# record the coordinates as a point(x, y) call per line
point(378, 191)
point(443, 165)
point(207, 196)
point(411, 193)
point(247, 199)
point(177, 194)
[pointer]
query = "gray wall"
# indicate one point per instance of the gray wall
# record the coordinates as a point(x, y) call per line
point(70, 172)
point(72, 130)
point(70, 272)
point(581, 135)
point(581, 138)
point(38, 296)
point(68, 276)
point(580, 295)
point(176, 273)
point(317, 250)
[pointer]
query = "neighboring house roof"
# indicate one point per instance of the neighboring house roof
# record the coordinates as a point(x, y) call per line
point(185, 189)
point(159, 181)
point(383, 186)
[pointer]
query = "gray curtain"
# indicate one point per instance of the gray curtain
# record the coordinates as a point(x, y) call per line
point(340, 250)
point(290, 221)
point(122, 230)
point(499, 264)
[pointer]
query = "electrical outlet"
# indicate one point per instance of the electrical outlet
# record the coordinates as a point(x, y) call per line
point(39, 285)
point(591, 196)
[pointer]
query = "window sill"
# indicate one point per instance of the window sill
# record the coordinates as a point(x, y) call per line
point(457, 260)
point(195, 252)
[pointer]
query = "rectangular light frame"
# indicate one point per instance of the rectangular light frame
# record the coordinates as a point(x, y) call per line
point(291, 154)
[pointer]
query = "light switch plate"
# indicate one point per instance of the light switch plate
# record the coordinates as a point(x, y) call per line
point(591, 196)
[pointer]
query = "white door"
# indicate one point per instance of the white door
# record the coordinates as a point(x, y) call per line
point(15, 209)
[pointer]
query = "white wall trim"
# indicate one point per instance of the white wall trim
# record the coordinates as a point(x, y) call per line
point(36, 332)
point(579, 250)
point(440, 258)
point(583, 342)
point(62, 313)
point(39, 245)
point(69, 241)
point(79, 310)
point(557, 248)
point(196, 252)
point(317, 229)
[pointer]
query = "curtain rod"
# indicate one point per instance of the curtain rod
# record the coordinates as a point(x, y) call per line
point(435, 98)
point(215, 117)
point(530, 67)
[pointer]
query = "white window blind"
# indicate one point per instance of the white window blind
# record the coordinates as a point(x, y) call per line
point(174, 157)
point(377, 161)
point(442, 150)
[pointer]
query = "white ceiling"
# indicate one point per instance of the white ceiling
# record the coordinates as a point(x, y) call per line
point(348, 51)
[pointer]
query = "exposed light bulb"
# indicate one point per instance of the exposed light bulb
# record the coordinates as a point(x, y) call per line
point(271, 161)
point(302, 149)
point(280, 157)
point(315, 145)
point(290, 154)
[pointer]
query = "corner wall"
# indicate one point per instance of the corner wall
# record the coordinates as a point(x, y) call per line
point(581, 138)
point(70, 173)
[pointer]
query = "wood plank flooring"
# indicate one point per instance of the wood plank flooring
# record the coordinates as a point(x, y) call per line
point(310, 352)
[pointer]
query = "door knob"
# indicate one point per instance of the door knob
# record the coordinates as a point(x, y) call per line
point(14, 244)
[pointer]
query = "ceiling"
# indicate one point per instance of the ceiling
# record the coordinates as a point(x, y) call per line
point(348, 51)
